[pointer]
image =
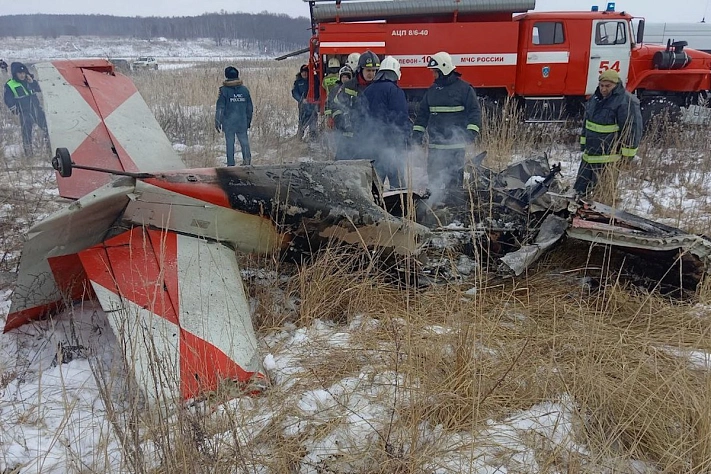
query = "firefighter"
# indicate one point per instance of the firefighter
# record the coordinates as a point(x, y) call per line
point(332, 75)
point(21, 98)
point(351, 109)
point(612, 129)
point(450, 113)
point(352, 61)
point(388, 122)
point(345, 74)
point(233, 115)
point(308, 115)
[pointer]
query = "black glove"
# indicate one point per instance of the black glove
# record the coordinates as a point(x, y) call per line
point(218, 126)
point(417, 138)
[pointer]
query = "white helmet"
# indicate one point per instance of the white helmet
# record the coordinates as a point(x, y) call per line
point(352, 61)
point(441, 61)
point(334, 63)
point(390, 64)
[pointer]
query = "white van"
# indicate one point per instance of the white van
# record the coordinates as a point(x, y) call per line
point(145, 62)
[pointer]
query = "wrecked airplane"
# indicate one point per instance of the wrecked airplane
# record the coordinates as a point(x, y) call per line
point(154, 242)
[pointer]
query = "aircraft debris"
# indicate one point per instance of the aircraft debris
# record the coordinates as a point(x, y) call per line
point(516, 219)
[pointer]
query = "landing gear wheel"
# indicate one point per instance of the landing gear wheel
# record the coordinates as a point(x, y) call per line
point(62, 162)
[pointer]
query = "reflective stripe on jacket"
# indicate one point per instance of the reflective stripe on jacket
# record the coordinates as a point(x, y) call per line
point(450, 112)
point(348, 109)
point(612, 127)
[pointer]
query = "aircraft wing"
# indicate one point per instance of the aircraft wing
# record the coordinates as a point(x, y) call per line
point(100, 117)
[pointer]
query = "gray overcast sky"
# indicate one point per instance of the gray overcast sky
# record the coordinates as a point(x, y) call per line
point(653, 10)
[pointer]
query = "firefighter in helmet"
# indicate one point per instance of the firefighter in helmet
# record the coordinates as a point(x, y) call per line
point(335, 136)
point(352, 61)
point(450, 113)
point(331, 77)
point(351, 108)
point(388, 122)
point(612, 129)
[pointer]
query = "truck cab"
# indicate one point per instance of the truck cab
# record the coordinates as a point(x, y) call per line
point(561, 56)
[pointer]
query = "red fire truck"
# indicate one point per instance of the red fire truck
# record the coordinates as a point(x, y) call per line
point(547, 61)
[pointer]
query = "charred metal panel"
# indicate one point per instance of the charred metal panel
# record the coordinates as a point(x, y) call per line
point(311, 203)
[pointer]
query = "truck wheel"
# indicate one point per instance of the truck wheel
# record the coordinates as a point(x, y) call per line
point(657, 113)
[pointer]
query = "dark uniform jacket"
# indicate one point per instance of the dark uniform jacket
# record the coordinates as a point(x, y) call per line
point(612, 127)
point(234, 108)
point(329, 109)
point(349, 109)
point(301, 88)
point(21, 96)
point(387, 110)
point(450, 112)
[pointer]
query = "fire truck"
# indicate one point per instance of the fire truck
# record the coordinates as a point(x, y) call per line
point(548, 62)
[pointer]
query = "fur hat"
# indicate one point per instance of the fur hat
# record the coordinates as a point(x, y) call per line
point(231, 72)
point(610, 75)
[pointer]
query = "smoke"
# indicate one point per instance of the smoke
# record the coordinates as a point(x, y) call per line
point(445, 167)
point(382, 130)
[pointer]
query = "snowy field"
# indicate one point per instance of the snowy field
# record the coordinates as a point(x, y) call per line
point(540, 375)
point(164, 50)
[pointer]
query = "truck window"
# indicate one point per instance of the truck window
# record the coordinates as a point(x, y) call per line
point(611, 32)
point(548, 32)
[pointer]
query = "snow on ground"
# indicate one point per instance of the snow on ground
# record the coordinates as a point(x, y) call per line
point(53, 416)
point(55, 419)
point(169, 53)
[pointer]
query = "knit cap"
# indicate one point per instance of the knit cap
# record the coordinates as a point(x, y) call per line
point(610, 75)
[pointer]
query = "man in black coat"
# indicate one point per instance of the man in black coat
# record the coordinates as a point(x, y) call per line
point(233, 115)
point(20, 96)
point(450, 113)
point(350, 109)
point(308, 115)
point(612, 130)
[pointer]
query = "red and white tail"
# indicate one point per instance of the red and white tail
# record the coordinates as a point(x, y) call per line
point(99, 116)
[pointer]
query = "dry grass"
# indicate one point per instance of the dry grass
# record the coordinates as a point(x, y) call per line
point(183, 101)
point(461, 361)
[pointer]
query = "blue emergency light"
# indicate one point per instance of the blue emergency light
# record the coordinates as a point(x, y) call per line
point(610, 7)
point(594, 8)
